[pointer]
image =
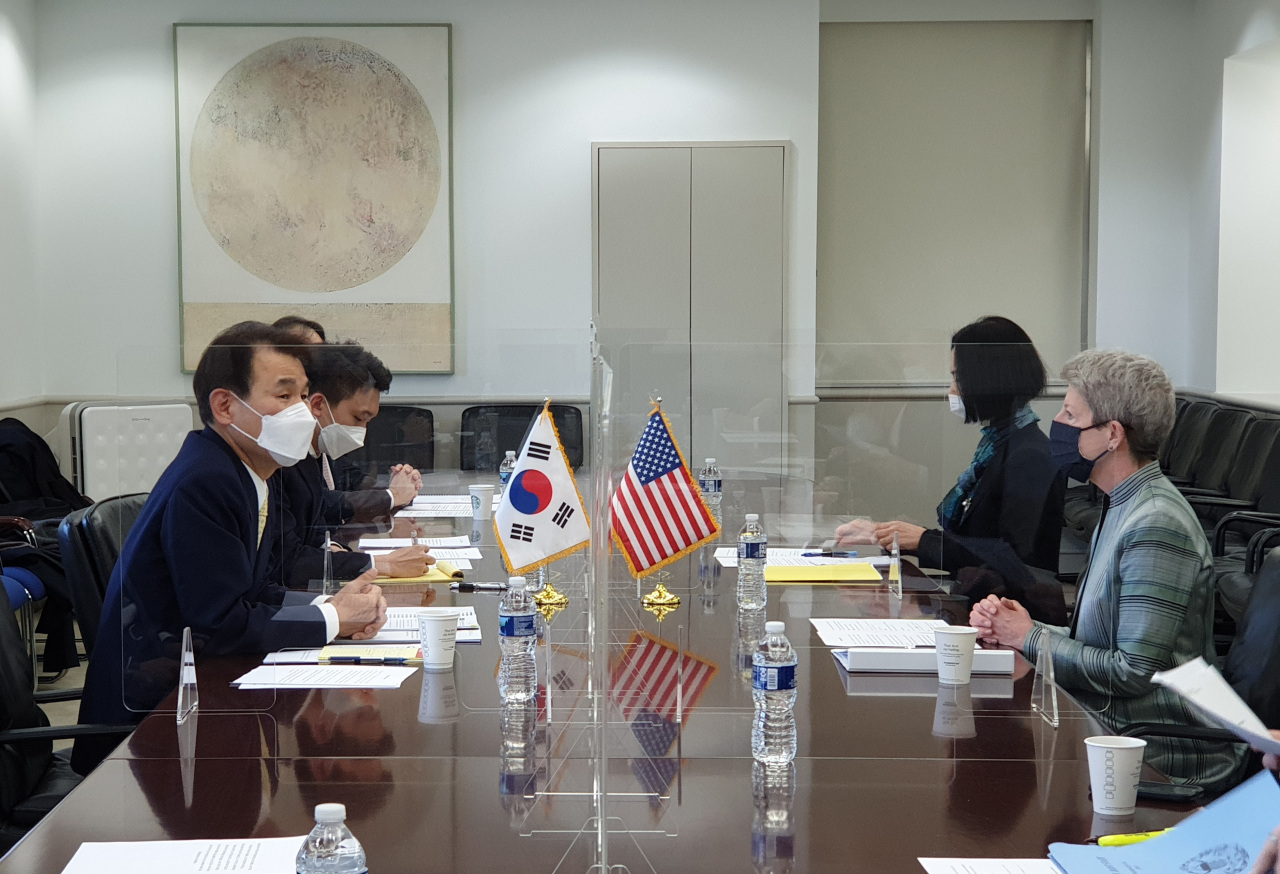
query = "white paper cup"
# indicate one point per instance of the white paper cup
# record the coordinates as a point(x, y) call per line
point(439, 701)
point(438, 629)
point(953, 713)
point(481, 501)
point(1115, 764)
point(955, 653)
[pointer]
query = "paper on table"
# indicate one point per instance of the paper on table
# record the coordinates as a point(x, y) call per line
point(727, 556)
point(402, 627)
point(989, 866)
point(440, 550)
point(436, 511)
point(788, 557)
point(293, 657)
point(1225, 836)
point(905, 633)
point(268, 855)
point(323, 677)
point(1201, 684)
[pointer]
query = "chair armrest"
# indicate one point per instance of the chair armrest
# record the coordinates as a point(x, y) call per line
point(1186, 732)
point(63, 732)
point(1239, 519)
point(1188, 491)
point(1259, 544)
point(1211, 500)
point(22, 525)
point(58, 695)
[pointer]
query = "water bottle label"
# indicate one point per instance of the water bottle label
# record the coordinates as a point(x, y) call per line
point(522, 625)
point(503, 476)
point(773, 678)
point(766, 847)
point(709, 486)
point(752, 550)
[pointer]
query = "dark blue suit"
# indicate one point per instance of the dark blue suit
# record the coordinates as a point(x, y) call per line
point(192, 559)
point(309, 509)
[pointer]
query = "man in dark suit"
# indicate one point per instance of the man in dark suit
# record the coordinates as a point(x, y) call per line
point(200, 552)
point(346, 381)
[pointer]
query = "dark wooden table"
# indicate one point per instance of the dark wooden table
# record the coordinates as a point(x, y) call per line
point(878, 781)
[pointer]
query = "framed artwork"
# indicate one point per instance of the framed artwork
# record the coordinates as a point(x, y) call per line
point(314, 179)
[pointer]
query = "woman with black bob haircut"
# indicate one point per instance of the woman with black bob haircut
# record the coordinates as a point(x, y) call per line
point(1011, 493)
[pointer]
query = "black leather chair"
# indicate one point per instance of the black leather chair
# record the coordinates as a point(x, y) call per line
point(1219, 450)
point(399, 434)
point(1187, 440)
point(90, 541)
point(32, 778)
point(488, 431)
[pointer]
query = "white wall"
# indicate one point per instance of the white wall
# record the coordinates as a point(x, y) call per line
point(19, 355)
point(534, 84)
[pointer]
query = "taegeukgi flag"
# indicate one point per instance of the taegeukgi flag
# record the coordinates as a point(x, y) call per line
point(540, 517)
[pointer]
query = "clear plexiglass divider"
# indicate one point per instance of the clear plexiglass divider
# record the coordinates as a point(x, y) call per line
point(627, 700)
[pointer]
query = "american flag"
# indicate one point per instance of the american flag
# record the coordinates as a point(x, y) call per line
point(646, 679)
point(658, 514)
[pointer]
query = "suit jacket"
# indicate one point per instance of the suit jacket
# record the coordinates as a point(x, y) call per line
point(357, 497)
point(1018, 500)
point(192, 559)
point(307, 511)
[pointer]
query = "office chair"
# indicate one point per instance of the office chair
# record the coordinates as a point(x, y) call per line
point(488, 431)
point(23, 587)
point(90, 541)
point(399, 434)
point(32, 778)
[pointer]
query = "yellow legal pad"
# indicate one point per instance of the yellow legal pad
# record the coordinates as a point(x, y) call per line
point(440, 572)
point(823, 573)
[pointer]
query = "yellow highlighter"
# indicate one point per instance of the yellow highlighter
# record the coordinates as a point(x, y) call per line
point(1125, 840)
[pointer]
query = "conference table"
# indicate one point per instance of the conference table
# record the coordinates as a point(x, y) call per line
point(643, 775)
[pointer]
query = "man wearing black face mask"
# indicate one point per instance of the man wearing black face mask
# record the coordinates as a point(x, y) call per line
point(1145, 602)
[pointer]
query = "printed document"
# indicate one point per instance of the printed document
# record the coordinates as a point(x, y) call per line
point(989, 866)
point(324, 677)
point(265, 855)
point(1201, 684)
point(904, 633)
point(402, 627)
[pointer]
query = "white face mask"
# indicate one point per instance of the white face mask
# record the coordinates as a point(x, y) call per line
point(286, 435)
point(957, 405)
point(337, 440)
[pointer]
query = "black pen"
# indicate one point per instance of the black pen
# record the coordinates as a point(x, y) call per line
point(829, 555)
point(478, 587)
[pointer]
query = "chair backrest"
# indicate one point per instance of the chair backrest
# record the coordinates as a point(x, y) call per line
point(399, 434)
point(1245, 479)
point(1188, 437)
point(1253, 662)
point(1220, 447)
point(90, 541)
point(488, 431)
point(21, 765)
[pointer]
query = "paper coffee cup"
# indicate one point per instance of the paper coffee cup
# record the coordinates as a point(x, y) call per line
point(955, 653)
point(481, 501)
point(1115, 764)
point(437, 629)
point(439, 701)
point(953, 712)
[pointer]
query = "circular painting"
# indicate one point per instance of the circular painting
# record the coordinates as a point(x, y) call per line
point(315, 164)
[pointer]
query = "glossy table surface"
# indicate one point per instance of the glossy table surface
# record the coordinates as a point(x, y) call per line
point(889, 767)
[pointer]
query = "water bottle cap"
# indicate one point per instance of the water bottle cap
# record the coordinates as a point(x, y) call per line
point(753, 517)
point(331, 812)
point(516, 582)
point(511, 453)
point(775, 627)
point(711, 462)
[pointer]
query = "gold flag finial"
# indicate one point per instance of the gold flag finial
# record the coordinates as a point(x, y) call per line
point(660, 602)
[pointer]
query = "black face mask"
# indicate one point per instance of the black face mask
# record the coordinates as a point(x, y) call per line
point(1064, 449)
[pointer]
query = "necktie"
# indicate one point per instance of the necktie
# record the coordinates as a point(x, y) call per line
point(328, 474)
point(262, 520)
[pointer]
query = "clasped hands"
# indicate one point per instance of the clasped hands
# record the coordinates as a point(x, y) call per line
point(362, 609)
point(1000, 622)
point(881, 533)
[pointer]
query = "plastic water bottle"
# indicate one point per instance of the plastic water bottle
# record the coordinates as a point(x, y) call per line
point(505, 470)
point(752, 551)
point(518, 636)
point(749, 634)
point(710, 483)
point(331, 848)
point(773, 686)
point(773, 832)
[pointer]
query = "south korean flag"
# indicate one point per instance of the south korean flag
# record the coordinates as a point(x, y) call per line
point(540, 517)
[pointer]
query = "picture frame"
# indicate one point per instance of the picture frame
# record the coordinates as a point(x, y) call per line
point(314, 167)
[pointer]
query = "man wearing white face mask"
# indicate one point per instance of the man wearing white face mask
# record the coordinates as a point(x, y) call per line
point(346, 381)
point(200, 553)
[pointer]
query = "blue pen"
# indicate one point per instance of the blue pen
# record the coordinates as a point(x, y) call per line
point(829, 555)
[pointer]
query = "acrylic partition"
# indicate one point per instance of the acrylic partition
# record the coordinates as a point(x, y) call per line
point(638, 752)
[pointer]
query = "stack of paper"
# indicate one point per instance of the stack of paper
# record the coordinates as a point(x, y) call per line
point(186, 857)
point(324, 677)
point(402, 627)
